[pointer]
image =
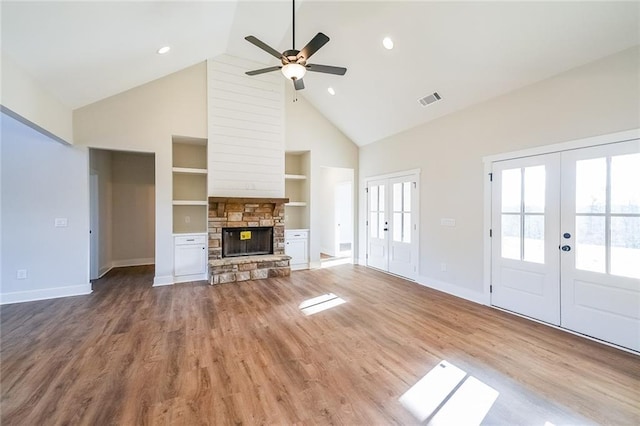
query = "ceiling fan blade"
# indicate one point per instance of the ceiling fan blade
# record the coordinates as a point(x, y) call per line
point(312, 47)
point(263, 70)
point(298, 84)
point(264, 46)
point(326, 69)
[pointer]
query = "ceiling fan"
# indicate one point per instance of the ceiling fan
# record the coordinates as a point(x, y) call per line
point(294, 62)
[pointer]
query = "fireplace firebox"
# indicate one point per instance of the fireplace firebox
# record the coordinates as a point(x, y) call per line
point(249, 241)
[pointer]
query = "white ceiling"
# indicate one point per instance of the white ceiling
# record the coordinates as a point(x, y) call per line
point(467, 51)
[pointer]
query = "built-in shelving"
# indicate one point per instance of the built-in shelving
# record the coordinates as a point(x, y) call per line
point(189, 170)
point(294, 177)
point(296, 189)
point(190, 203)
point(189, 185)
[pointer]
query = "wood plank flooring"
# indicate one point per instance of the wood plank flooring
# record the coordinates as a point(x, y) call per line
point(194, 354)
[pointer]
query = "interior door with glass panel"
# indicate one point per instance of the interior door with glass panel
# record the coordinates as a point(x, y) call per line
point(402, 229)
point(378, 249)
point(600, 254)
point(525, 227)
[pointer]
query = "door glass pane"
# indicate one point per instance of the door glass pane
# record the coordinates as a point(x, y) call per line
point(397, 226)
point(591, 185)
point(373, 201)
point(381, 198)
point(625, 184)
point(511, 190)
point(534, 186)
point(407, 197)
point(511, 236)
point(373, 224)
point(625, 246)
point(397, 197)
point(381, 225)
point(534, 238)
point(406, 231)
point(590, 243)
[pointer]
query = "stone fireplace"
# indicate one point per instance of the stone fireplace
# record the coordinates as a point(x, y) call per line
point(253, 234)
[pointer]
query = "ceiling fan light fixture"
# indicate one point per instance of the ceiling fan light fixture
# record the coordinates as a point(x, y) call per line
point(294, 71)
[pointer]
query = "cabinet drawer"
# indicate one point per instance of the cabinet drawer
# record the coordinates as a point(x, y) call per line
point(190, 239)
point(296, 234)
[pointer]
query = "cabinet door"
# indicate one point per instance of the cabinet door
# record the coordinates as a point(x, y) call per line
point(190, 259)
point(297, 249)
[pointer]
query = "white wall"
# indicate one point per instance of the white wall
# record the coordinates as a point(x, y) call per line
point(595, 99)
point(308, 130)
point(23, 96)
point(246, 130)
point(144, 119)
point(43, 180)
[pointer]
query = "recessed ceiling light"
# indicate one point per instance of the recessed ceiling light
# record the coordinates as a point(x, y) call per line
point(387, 43)
point(163, 50)
point(331, 91)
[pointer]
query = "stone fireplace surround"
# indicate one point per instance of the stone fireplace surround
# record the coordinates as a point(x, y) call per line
point(232, 212)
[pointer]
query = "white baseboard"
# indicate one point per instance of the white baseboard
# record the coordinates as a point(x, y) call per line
point(187, 278)
point(45, 293)
point(361, 261)
point(133, 262)
point(103, 271)
point(451, 289)
point(163, 280)
point(299, 266)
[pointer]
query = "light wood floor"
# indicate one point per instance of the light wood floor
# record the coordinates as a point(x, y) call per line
point(130, 354)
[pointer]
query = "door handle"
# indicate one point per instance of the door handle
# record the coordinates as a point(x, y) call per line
point(566, 248)
point(385, 229)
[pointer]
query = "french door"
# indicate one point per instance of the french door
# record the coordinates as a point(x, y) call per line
point(566, 240)
point(392, 225)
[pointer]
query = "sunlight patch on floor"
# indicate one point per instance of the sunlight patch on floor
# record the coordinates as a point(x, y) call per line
point(449, 396)
point(320, 303)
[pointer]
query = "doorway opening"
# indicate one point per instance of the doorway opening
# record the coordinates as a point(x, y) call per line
point(337, 220)
point(122, 210)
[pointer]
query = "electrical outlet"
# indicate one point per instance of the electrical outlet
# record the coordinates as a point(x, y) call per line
point(443, 267)
point(61, 222)
point(21, 274)
point(187, 219)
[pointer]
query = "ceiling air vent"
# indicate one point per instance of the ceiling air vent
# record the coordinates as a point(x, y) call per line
point(429, 99)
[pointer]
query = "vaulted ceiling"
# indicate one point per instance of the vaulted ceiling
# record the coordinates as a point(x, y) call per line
point(468, 52)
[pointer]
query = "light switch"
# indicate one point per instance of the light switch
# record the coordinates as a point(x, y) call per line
point(447, 222)
point(21, 274)
point(61, 222)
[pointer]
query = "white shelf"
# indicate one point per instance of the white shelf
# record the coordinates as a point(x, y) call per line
point(190, 202)
point(294, 177)
point(296, 204)
point(189, 170)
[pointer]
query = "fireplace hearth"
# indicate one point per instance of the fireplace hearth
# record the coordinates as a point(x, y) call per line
point(246, 239)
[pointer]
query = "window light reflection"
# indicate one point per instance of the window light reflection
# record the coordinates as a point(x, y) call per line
point(449, 396)
point(320, 303)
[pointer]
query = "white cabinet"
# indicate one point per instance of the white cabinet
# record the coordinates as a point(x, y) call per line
point(297, 246)
point(190, 257)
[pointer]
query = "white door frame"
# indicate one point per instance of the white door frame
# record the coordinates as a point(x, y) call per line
point(94, 225)
point(415, 174)
point(546, 149)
